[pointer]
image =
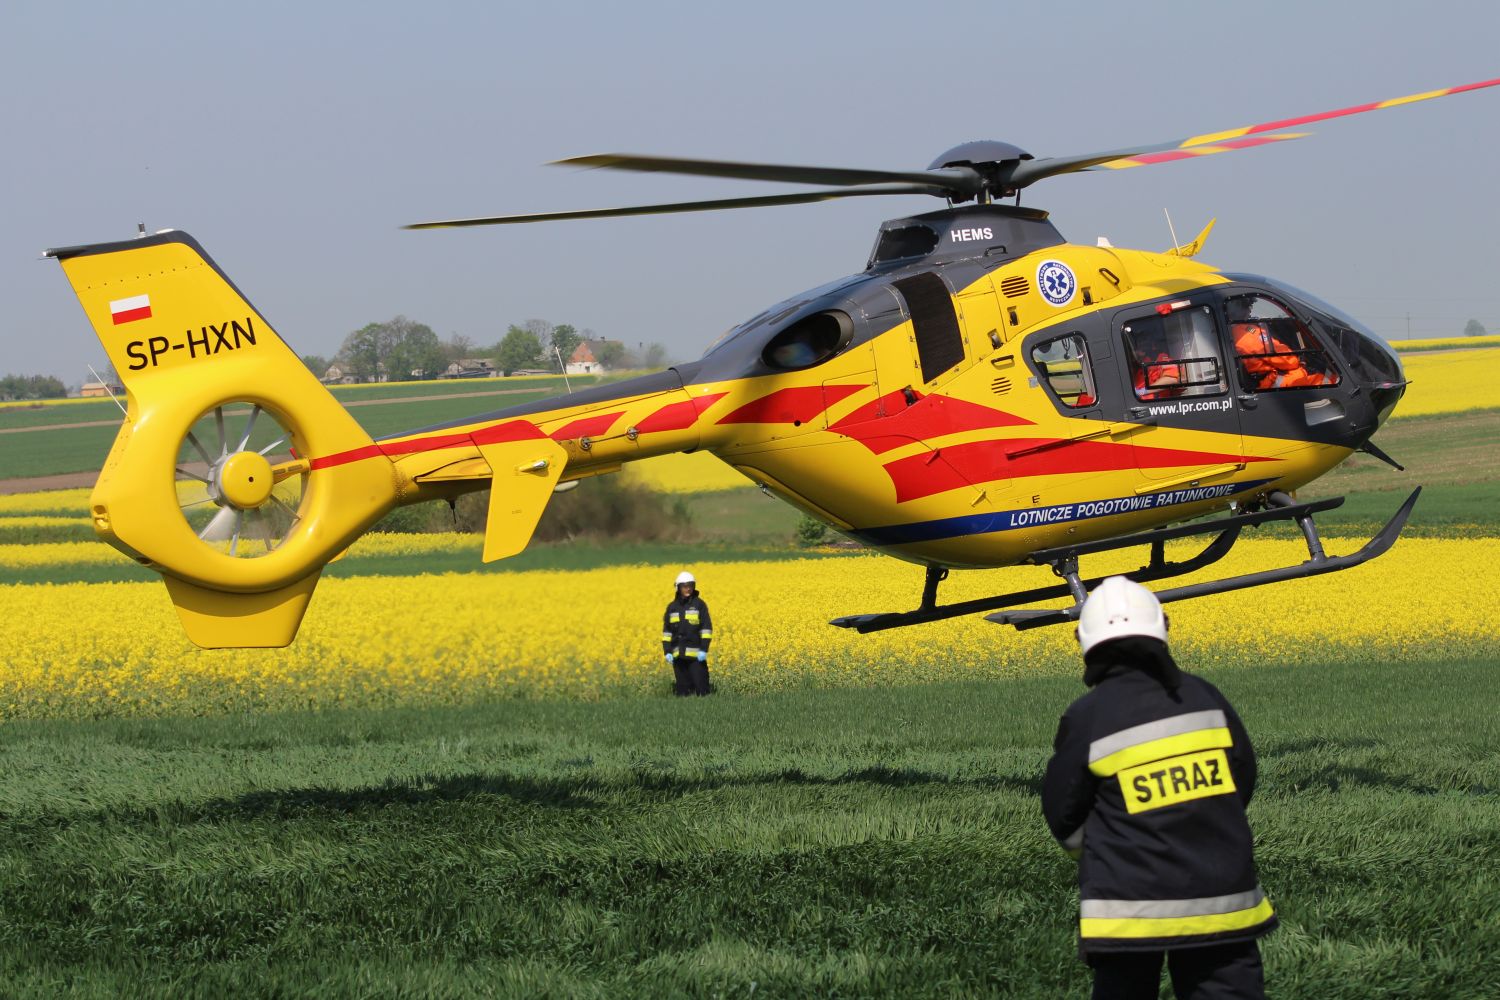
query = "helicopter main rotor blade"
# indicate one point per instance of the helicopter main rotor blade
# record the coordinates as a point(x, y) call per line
point(1031, 171)
point(1140, 156)
point(964, 180)
point(685, 206)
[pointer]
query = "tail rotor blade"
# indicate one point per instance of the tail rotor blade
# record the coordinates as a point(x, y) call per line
point(221, 526)
point(249, 428)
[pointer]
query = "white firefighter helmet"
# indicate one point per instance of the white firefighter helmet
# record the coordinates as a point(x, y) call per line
point(685, 577)
point(1117, 608)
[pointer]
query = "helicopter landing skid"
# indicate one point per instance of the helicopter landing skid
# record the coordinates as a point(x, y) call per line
point(1064, 563)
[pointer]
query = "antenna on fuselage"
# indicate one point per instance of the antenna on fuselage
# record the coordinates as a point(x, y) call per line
point(1171, 229)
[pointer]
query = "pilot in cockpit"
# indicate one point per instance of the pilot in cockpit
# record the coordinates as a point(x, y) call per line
point(1267, 361)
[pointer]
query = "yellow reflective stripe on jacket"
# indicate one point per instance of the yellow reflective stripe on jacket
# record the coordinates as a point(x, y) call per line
point(1169, 737)
point(1174, 780)
point(707, 633)
point(666, 637)
point(1164, 918)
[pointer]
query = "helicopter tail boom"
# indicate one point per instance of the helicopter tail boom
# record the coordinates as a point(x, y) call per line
point(219, 477)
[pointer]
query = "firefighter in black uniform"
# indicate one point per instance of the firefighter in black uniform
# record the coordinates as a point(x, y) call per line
point(1147, 787)
point(686, 631)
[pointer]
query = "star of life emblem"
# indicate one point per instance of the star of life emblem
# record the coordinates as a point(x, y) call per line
point(1056, 282)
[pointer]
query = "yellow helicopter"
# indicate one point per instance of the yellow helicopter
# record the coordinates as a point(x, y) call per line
point(982, 394)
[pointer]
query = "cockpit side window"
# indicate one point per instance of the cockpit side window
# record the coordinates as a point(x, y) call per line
point(1063, 363)
point(906, 241)
point(1175, 353)
point(1274, 349)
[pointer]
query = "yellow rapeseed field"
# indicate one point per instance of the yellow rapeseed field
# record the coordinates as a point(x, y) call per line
point(1450, 382)
point(699, 472)
point(93, 553)
point(1446, 343)
point(45, 521)
point(117, 649)
point(74, 502)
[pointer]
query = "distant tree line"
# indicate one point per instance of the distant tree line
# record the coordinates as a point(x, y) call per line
point(31, 387)
point(400, 349)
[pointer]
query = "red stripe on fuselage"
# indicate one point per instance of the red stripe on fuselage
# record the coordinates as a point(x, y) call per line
point(425, 444)
point(586, 426)
point(983, 462)
point(345, 457)
point(928, 417)
point(678, 416)
point(512, 430)
point(796, 405)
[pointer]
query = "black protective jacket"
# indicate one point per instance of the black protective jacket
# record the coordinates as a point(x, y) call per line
point(686, 627)
point(1148, 782)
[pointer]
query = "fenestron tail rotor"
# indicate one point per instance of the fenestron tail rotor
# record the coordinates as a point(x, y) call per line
point(239, 485)
point(979, 171)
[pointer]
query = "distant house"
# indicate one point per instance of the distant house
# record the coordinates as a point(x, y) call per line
point(337, 376)
point(470, 368)
point(101, 389)
point(583, 362)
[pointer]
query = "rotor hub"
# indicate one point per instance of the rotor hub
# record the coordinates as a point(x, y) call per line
point(992, 161)
point(983, 152)
point(245, 480)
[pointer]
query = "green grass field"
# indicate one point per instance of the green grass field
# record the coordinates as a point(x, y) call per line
point(838, 842)
point(829, 843)
point(1454, 457)
point(380, 409)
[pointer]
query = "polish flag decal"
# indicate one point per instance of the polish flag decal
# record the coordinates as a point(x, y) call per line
point(131, 309)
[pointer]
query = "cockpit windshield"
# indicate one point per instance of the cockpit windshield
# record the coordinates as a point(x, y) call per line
point(1371, 358)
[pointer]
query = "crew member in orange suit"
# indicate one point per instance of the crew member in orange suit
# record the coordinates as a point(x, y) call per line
point(1271, 363)
point(1154, 378)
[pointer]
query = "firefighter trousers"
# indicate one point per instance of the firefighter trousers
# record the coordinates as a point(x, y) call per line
point(691, 676)
point(1212, 972)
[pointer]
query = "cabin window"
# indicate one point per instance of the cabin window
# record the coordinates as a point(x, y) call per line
point(1063, 363)
point(1175, 353)
point(810, 341)
point(1273, 348)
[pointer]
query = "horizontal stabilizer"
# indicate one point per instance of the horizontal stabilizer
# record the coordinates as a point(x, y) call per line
point(524, 476)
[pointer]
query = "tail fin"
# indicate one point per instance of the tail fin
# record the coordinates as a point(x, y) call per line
point(240, 533)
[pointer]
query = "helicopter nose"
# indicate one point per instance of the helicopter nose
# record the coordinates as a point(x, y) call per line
point(1379, 368)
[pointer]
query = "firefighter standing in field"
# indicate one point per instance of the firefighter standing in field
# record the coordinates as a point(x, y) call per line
point(1147, 786)
point(686, 631)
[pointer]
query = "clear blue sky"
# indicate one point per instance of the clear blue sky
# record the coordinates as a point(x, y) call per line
point(292, 139)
